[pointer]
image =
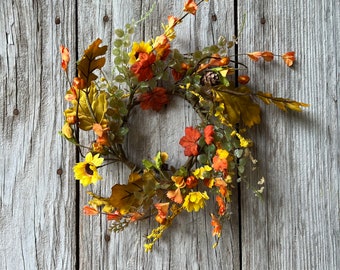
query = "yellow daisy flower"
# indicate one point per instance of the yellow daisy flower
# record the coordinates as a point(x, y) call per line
point(142, 47)
point(195, 201)
point(86, 171)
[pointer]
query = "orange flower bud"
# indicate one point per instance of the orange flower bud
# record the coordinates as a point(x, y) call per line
point(267, 56)
point(243, 79)
point(160, 220)
point(65, 57)
point(97, 147)
point(71, 119)
point(103, 140)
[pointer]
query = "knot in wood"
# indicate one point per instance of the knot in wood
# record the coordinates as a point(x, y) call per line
point(57, 20)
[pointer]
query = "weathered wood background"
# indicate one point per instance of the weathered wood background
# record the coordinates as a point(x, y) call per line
point(297, 224)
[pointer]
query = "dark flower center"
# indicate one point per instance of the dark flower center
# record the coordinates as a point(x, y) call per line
point(88, 169)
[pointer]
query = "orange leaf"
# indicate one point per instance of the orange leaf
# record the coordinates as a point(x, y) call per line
point(267, 56)
point(289, 58)
point(255, 56)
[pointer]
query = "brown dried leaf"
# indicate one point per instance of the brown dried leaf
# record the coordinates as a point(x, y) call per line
point(90, 62)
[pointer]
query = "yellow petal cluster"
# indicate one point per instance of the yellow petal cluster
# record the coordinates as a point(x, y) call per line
point(195, 201)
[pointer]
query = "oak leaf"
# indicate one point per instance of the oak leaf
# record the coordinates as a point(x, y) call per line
point(90, 62)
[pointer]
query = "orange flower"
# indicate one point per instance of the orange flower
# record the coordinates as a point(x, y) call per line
point(222, 185)
point(163, 209)
point(90, 211)
point(162, 47)
point(220, 162)
point(209, 134)
point(191, 7)
point(255, 56)
point(191, 181)
point(267, 56)
point(99, 129)
point(221, 205)
point(189, 141)
point(154, 100)
point(65, 57)
point(243, 79)
point(175, 195)
point(143, 67)
point(173, 21)
point(289, 58)
point(217, 227)
point(179, 181)
point(169, 30)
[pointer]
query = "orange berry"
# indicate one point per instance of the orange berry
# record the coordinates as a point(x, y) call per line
point(191, 182)
point(243, 79)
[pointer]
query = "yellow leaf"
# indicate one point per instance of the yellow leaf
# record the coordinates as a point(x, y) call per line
point(282, 103)
point(133, 194)
point(239, 108)
point(99, 106)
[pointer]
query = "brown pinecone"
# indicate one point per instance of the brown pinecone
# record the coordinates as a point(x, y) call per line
point(210, 79)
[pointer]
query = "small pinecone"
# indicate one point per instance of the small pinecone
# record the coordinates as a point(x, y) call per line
point(210, 79)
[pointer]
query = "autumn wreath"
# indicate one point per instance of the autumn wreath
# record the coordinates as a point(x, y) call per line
point(146, 74)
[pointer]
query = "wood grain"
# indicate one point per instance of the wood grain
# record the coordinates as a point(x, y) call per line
point(297, 225)
point(37, 216)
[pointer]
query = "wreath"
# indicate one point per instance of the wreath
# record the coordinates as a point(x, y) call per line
point(148, 74)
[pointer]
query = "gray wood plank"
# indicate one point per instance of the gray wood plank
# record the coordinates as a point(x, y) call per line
point(37, 213)
point(297, 225)
point(187, 245)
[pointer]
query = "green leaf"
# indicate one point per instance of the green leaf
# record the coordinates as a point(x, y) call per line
point(222, 41)
point(238, 153)
point(148, 164)
point(116, 52)
point(118, 43)
point(202, 158)
point(119, 33)
point(120, 79)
